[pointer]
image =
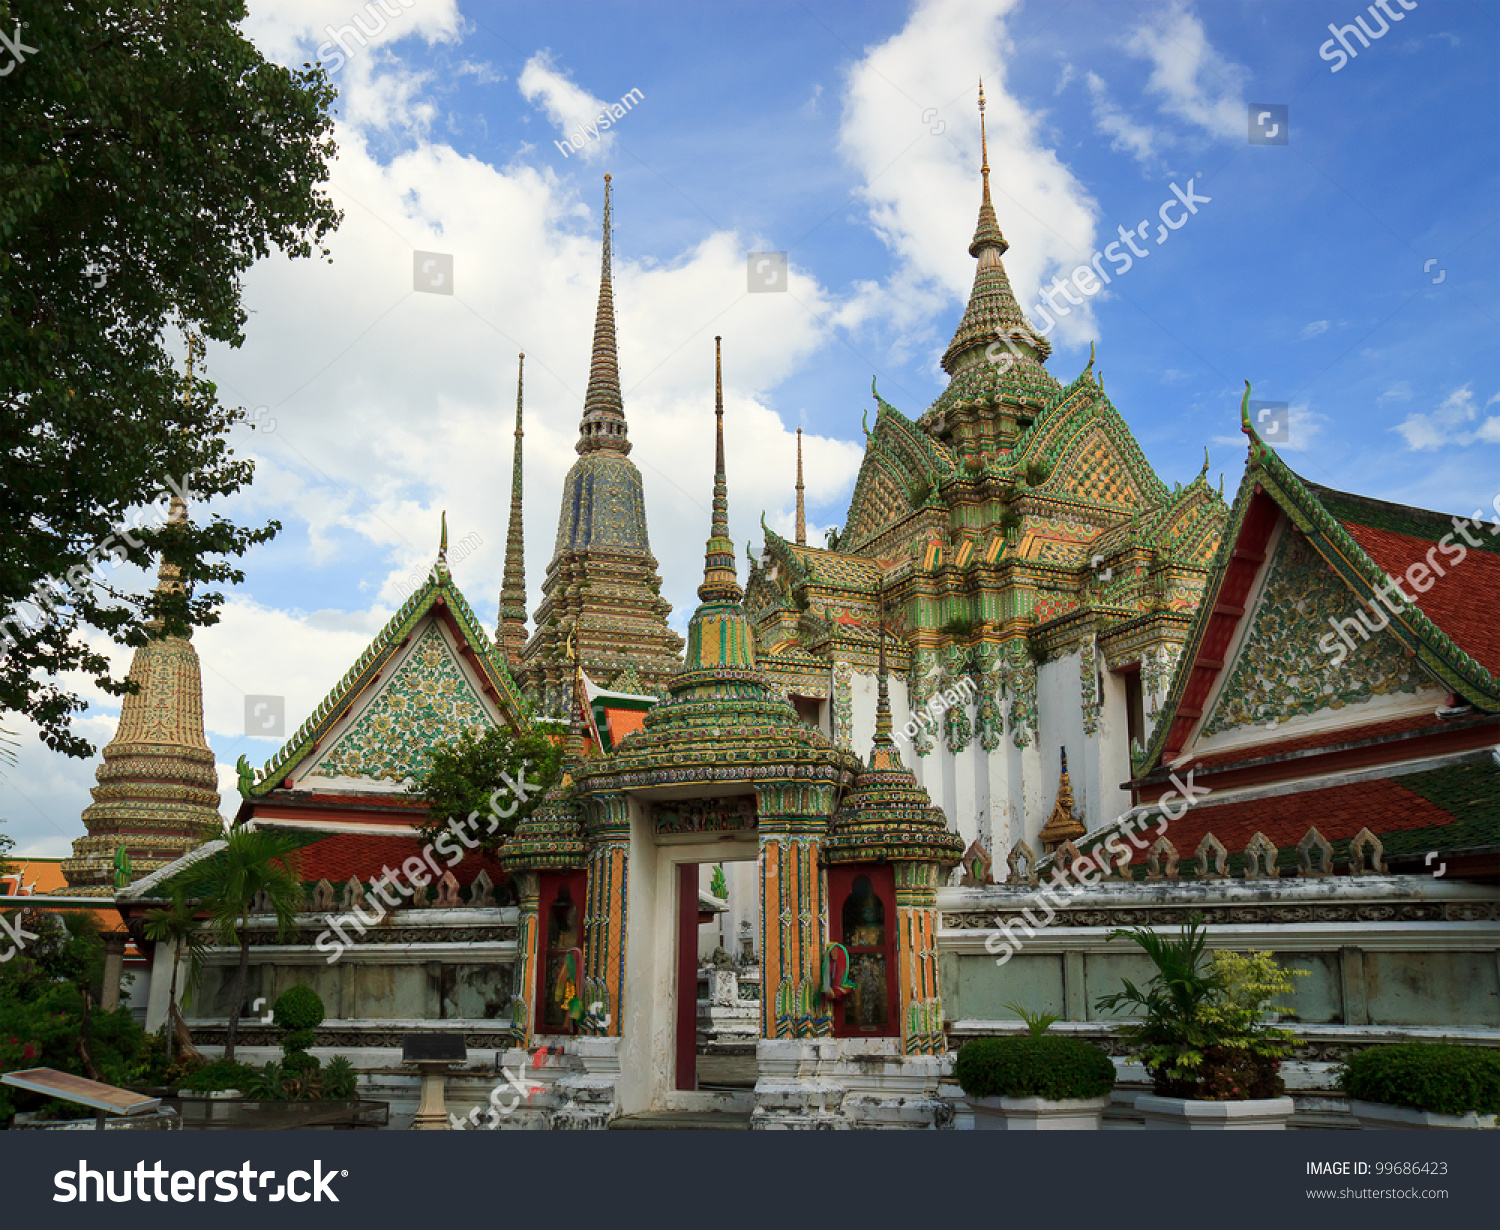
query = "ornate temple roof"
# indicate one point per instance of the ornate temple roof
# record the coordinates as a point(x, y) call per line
point(722, 720)
point(158, 790)
point(551, 837)
point(887, 816)
point(429, 673)
point(1337, 554)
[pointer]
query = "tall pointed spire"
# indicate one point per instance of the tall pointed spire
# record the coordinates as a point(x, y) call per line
point(158, 790)
point(720, 581)
point(801, 510)
point(987, 233)
point(992, 313)
point(603, 425)
point(511, 634)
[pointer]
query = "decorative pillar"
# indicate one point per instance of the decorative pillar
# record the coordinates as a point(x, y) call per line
point(793, 910)
point(528, 938)
point(605, 916)
point(916, 958)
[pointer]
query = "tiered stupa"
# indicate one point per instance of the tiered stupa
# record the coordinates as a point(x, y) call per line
point(157, 791)
point(602, 586)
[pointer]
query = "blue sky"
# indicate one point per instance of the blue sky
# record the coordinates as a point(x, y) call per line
point(845, 135)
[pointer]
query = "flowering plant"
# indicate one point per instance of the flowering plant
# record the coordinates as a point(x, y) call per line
point(1206, 1026)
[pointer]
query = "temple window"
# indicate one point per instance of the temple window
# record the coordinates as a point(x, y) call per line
point(863, 915)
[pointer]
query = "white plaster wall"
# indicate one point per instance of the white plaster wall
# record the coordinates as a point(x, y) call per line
point(1060, 725)
point(1109, 763)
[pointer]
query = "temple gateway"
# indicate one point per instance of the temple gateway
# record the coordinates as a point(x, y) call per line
point(793, 861)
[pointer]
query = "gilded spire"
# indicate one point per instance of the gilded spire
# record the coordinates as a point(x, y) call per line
point(801, 510)
point(1062, 825)
point(720, 582)
point(603, 425)
point(992, 313)
point(511, 633)
point(987, 233)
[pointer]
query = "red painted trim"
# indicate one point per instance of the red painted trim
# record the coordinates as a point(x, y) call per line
point(882, 878)
point(1223, 619)
point(687, 976)
point(1386, 752)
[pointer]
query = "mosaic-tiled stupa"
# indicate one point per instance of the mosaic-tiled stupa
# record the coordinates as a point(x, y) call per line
point(602, 587)
point(158, 791)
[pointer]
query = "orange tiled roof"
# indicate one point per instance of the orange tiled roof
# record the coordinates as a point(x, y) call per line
point(1464, 603)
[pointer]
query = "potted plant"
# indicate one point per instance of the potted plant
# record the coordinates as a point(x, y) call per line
point(1038, 1081)
point(1423, 1085)
point(1206, 1033)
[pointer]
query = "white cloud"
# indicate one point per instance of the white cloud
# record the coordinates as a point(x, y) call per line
point(574, 112)
point(1448, 424)
point(1192, 81)
point(1126, 136)
point(1315, 328)
point(922, 191)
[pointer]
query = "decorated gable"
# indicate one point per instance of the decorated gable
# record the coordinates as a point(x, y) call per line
point(1290, 664)
point(428, 697)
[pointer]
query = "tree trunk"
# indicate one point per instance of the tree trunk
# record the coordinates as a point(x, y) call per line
point(171, 1004)
point(89, 1070)
point(237, 998)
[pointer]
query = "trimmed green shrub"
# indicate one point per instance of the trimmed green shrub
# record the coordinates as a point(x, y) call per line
point(221, 1074)
point(1439, 1077)
point(1033, 1067)
point(297, 1008)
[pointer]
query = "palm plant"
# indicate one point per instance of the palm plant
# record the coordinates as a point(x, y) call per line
point(227, 883)
point(1172, 1032)
point(177, 924)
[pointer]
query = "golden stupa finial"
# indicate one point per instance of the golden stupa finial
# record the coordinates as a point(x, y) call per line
point(984, 149)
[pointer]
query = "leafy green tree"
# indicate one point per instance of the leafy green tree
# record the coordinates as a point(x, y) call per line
point(226, 884)
point(149, 155)
point(502, 765)
point(177, 924)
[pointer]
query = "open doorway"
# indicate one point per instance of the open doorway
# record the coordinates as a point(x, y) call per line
point(718, 978)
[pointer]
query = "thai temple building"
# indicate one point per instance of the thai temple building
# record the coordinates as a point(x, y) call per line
point(888, 789)
point(1031, 562)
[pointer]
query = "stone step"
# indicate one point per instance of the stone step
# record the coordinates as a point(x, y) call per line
point(682, 1121)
